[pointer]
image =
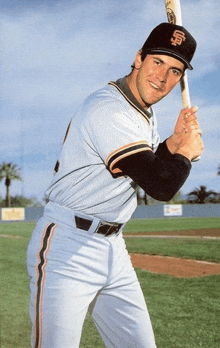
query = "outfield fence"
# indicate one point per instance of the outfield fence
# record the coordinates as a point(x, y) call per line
point(142, 212)
point(188, 210)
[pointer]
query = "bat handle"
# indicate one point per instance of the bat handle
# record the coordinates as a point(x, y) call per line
point(185, 92)
point(186, 100)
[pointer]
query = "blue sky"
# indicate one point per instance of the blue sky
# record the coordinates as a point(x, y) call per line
point(55, 53)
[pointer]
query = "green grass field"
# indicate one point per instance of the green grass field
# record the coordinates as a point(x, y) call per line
point(185, 312)
point(171, 224)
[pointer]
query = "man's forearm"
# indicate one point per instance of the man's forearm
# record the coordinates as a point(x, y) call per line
point(161, 175)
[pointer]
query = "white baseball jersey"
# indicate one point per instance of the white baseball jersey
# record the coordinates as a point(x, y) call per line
point(109, 125)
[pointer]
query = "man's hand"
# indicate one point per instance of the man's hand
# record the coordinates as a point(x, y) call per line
point(186, 118)
point(186, 139)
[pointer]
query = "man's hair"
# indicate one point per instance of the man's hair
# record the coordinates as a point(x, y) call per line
point(144, 55)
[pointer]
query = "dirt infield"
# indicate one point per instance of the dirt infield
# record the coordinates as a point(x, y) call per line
point(182, 268)
point(177, 267)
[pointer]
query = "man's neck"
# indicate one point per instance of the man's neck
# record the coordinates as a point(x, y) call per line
point(131, 81)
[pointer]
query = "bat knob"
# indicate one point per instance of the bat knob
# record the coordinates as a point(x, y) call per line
point(196, 159)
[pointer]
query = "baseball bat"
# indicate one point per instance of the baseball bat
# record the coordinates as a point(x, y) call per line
point(174, 16)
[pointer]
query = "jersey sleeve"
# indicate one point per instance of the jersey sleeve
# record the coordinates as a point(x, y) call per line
point(117, 133)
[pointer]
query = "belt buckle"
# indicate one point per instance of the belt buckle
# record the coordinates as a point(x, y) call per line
point(107, 229)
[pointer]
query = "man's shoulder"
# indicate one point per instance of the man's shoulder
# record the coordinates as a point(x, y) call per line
point(108, 93)
point(105, 99)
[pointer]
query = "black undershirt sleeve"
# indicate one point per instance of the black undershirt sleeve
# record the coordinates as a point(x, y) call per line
point(159, 174)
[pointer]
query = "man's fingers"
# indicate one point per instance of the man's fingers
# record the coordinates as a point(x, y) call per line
point(194, 129)
point(187, 120)
point(190, 113)
point(192, 110)
point(190, 118)
point(191, 121)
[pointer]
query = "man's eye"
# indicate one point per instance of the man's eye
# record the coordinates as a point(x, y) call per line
point(157, 62)
point(176, 72)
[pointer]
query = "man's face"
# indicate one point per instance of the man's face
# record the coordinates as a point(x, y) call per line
point(155, 77)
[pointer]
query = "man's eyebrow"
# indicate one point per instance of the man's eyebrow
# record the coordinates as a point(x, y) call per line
point(172, 67)
point(160, 60)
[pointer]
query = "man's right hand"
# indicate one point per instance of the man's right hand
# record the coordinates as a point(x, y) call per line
point(186, 139)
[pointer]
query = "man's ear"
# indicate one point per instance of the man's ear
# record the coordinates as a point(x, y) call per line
point(138, 61)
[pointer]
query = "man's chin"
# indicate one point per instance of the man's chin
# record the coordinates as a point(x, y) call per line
point(154, 100)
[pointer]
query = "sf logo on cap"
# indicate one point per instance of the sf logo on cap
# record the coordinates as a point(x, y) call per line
point(178, 38)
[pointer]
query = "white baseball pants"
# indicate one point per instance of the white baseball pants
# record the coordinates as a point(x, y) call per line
point(72, 271)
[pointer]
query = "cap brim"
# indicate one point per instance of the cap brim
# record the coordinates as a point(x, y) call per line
point(169, 53)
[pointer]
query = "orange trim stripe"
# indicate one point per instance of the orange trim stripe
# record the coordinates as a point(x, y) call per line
point(125, 147)
point(123, 152)
point(42, 256)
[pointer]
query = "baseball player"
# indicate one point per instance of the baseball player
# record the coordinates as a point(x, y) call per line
point(77, 258)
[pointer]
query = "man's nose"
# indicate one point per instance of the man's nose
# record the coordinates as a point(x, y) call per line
point(162, 74)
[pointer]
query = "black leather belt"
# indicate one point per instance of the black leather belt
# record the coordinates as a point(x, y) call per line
point(103, 228)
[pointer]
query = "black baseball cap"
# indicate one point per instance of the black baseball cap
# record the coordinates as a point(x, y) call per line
point(172, 40)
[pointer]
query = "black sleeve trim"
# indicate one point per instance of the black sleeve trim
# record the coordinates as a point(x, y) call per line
point(161, 176)
point(122, 152)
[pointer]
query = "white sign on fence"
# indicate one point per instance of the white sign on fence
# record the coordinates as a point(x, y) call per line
point(11, 214)
point(172, 210)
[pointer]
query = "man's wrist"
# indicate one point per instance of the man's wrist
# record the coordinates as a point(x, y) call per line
point(184, 153)
point(173, 147)
point(171, 144)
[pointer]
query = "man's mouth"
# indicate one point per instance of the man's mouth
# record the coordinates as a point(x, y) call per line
point(155, 86)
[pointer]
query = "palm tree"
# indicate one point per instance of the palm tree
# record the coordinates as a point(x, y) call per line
point(201, 195)
point(9, 172)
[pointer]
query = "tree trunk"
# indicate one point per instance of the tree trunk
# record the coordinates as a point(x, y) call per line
point(145, 199)
point(8, 198)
